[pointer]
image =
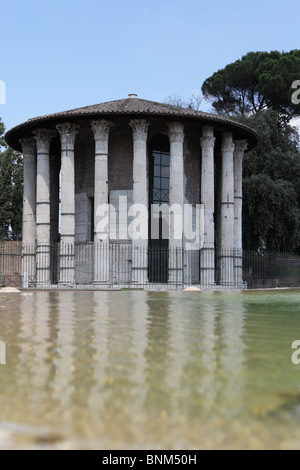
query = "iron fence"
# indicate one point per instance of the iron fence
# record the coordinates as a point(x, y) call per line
point(10, 264)
point(271, 270)
point(117, 265)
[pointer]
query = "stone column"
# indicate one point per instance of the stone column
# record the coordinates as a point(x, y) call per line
point(68, 132)
point(176, 201)
point(43, 138)
point(240, 147)
point(29, 211)
point(101, 130)
point(227, 212)
point(54, 197)
point(140, 200)
point(54, 215)
point(208, 200)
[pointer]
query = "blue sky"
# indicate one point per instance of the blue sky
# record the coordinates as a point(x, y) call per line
point(63, 54)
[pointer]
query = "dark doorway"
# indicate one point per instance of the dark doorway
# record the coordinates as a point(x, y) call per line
point(159, 189)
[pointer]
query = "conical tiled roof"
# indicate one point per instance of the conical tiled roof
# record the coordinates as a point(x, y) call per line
point(131, 107)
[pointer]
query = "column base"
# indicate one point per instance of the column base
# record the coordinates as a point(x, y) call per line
point(67, 276)
point(230, 285)
point(139, 276)
point(139, 267)
point(175, 276)
point(102, 263)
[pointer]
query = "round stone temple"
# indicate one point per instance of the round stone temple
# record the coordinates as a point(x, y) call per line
point(132, 155)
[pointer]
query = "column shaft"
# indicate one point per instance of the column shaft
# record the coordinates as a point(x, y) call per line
point(227, 212)
point(54, 215)
point(101, 130)
point(240, 147)
point(208, 200)
point(68, 132)
point(43, 138)
point(54, 197)
point(29, 212)
point(140, 199)
point(176, 201)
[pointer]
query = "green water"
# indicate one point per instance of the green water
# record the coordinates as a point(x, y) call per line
point(138, 370)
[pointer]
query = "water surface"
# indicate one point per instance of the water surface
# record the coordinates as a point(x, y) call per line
point(138, 370)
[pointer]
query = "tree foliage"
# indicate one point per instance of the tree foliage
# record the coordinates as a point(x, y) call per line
point(11, 188)
point(271, 214)
point(2, 141)
point(271, 185)
point(193, 102)
point(257, 81)
point(258, 90)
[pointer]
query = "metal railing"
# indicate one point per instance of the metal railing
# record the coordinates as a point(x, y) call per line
point(271, 269)
point(117, 265)
point(10, 264)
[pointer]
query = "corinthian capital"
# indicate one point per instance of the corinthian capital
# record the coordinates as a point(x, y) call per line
point(208, 142)
point(43, 138)
point(28, 145)
point(176, 132)
point(140, 129)
point(208, 139)
point(67, 132)
point(101, 129)
point(240, 146)
point(227, 145)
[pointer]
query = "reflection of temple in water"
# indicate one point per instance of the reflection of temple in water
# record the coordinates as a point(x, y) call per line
point(115, 363)
point(78, 162)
